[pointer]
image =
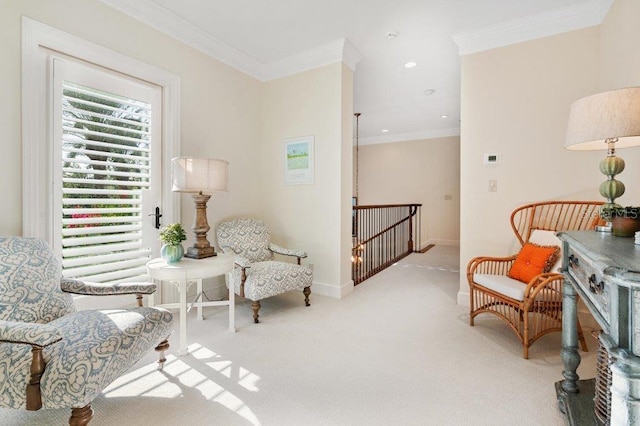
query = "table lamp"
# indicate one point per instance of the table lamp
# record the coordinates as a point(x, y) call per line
point(607, 120)
point(199, 176)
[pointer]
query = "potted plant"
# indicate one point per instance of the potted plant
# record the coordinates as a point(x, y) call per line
point(172, 237)
point(625, 221)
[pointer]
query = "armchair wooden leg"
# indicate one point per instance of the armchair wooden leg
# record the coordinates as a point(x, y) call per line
point(81, 416)
point(163, 346)
point(256, 307)
point(34, 397)
point(307, 292)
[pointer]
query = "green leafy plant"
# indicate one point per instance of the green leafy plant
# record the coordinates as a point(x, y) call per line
point(172, 234)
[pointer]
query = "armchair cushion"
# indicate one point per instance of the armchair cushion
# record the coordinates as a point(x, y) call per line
point(533, 260)
point(501, 284)
point(269, 278)
point(28, 333)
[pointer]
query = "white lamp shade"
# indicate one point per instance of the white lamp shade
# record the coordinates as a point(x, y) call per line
point(190, 174)
point(607, 115)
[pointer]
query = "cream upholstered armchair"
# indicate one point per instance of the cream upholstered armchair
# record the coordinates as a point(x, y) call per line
point(509, 287)
point(52, 356)
point(256, 274)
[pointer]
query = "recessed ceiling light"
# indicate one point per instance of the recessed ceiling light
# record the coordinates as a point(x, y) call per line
point(384, 130)
point(444, 116)
point(429, 92)
point(392, 34)
point(410, 64)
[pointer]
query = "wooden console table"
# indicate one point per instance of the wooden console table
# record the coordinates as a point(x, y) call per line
point(604, 271)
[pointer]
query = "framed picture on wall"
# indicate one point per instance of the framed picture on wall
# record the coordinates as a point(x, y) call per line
point(298, 161)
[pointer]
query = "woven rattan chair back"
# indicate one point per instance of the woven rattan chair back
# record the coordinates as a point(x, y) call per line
point(555, 216)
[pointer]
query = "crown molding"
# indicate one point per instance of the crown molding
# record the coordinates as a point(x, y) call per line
point(169, 23)
point(350, 55)
point(336, 51)
point(404, 137)
point(537, 26)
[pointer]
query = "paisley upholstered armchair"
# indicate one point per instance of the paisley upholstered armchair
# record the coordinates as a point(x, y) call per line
point(256, 274)
point(52, 356)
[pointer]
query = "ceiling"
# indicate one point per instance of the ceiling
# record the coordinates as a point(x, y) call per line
point(273, 38)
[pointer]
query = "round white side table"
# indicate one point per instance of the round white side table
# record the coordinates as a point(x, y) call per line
point(184, 273)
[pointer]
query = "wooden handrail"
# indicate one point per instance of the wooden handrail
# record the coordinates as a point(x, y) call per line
point(382, 235)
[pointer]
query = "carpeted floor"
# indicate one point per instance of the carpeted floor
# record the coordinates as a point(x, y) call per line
point(397, 351)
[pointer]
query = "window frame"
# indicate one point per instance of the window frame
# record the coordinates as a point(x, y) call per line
point(37, 128)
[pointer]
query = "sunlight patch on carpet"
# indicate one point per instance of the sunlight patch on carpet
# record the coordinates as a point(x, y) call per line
point(191, 376)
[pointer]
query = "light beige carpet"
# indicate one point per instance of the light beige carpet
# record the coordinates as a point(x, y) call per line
point(397, 351)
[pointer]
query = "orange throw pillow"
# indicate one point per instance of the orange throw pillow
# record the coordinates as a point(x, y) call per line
point(533, 260)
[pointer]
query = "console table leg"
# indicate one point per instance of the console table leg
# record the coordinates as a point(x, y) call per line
point(570, 355)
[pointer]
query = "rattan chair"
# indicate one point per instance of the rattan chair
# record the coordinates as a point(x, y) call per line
point(534, 309)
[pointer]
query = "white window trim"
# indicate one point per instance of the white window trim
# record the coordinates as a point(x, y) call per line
point(36, 128)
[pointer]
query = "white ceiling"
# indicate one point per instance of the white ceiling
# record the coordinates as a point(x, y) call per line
point(272, 38)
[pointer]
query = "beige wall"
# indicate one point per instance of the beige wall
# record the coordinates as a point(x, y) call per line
point(310, 217)
point(224, 114)
point(218, 103)
point(620, 67)
point(426, 172)
point(620, 58)
point(515, 102)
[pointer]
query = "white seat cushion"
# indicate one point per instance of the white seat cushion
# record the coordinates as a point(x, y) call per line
point(501, 284)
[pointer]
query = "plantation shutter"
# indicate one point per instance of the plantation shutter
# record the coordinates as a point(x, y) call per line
point(106, 167)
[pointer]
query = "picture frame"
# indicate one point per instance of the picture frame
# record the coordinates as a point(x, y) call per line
point(298, 161)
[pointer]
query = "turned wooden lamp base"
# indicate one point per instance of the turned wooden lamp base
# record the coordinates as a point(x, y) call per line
point(200, 253)
point(201, 248)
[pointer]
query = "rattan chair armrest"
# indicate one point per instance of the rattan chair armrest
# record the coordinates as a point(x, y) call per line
point(541, 282)
point(489, 265)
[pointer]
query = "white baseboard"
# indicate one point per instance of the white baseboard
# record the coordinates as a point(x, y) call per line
point(331, 290)
point(463, 299)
